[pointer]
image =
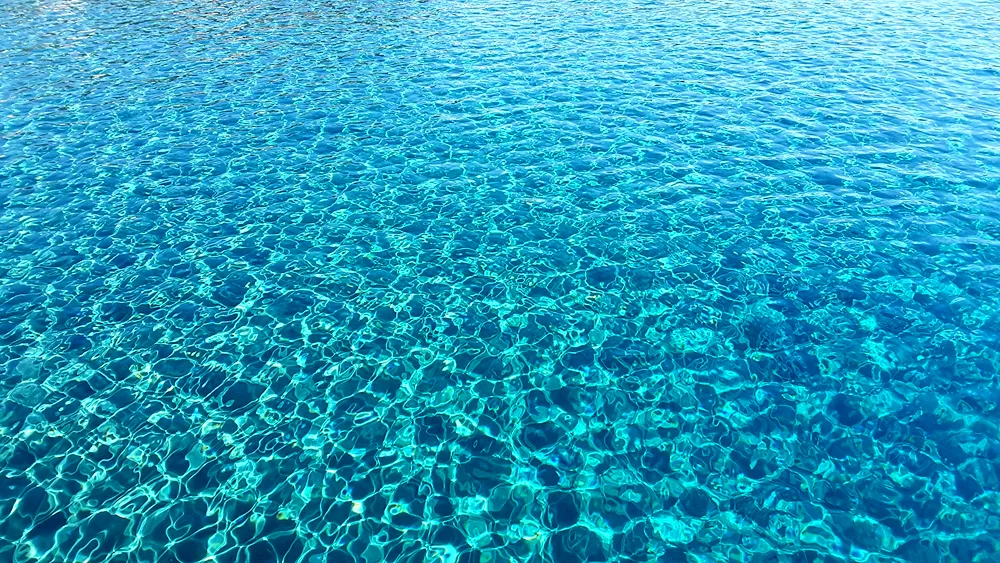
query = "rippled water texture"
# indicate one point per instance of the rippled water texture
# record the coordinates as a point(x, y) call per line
point(487, 281)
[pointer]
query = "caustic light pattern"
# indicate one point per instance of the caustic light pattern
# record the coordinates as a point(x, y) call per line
point(468, 281)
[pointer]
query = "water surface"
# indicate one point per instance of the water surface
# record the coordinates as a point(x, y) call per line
point(469, 281)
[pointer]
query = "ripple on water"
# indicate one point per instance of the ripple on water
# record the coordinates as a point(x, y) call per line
point(499, 281)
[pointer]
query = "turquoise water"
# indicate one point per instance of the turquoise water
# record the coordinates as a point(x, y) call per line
point(468, 281)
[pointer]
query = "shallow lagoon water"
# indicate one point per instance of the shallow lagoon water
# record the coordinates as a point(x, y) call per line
point(499, 281)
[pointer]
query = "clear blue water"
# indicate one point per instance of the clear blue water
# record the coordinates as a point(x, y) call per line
point(469, 281)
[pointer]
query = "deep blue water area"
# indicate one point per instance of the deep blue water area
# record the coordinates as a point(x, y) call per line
point(492, 281)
